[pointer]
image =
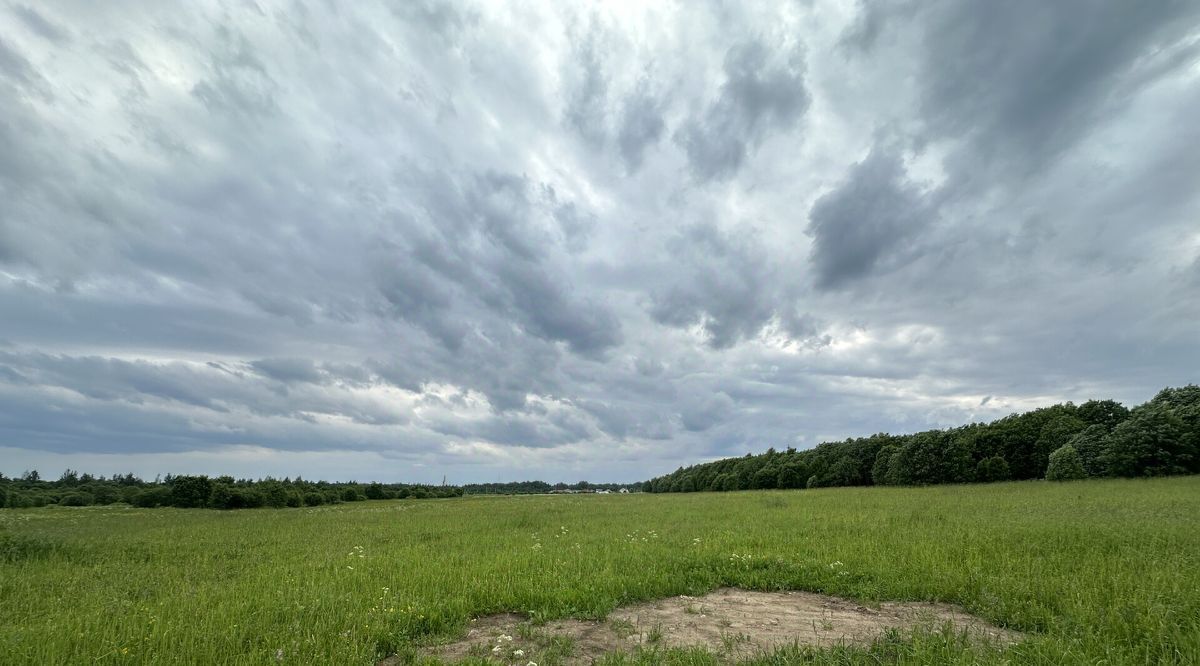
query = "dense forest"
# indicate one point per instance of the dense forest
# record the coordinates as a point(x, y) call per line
point(1067, 441)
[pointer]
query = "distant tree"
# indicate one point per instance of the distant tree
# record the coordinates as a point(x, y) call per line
point(726, 482)
point(1054, 435)
point(933, 456)
point(994, 468)
point(221, 496)
point(313, 498)
point(765, 477)
point(1176, 398)
point(76, 499)
point(1089, 444)
point(274, 494)
point(1150, 442)
point(375, 491)
point(31, 475)
point(1184, 402)
point(1106, 413)
point(190, 491)
point(152, 497)
point(1065, 465)
point(813, 482)
point(882, 471)
point(791, 475)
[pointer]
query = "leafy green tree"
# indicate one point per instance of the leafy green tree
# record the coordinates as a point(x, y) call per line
point(993, 468)
point(221, 496)
point(934, 456)
point(190, 491)
point(791, 475)
point(1089, 444)
point(1065, 465)
point(1107, 413)
point(881, 471)
point(152, 497)
point(1176, 398)
point(1054, 435)
point(1150, 442)
point(730, 482)
point(375, 491)
point(76, 499)
point(1184, 402)
point(313, 498)
point(765, 477)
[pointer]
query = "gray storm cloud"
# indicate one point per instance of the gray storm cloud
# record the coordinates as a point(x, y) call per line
point(422, 239)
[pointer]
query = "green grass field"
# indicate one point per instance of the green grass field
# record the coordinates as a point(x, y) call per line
point(1094, 571)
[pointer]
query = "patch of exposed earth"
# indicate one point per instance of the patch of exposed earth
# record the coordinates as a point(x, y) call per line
point(731, 622)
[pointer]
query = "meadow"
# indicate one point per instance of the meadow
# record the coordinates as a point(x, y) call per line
point(1097, 571)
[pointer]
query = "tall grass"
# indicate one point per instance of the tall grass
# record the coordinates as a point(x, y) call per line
point(1092, 570)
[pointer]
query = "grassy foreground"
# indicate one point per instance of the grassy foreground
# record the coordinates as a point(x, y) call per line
point(1096, 571)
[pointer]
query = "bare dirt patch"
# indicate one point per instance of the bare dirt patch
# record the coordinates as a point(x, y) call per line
point(729, 621)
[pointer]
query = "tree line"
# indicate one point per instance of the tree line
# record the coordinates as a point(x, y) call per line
point(223, 492)
point(540, 487)
point(1099, 438)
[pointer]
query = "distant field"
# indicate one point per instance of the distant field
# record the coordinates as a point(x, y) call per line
point(1091, 570)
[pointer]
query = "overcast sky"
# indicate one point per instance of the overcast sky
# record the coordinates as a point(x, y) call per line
point(566, 240)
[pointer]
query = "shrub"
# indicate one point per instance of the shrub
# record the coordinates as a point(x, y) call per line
point(992, 469)
point(19, 501)
point(1065, 465)
point(221, 496)
point(791, 475)
point(764, 478)
point(351, 495)
point(152, 497)
point(191, 491)
point(313, 498)
point(375, 491)
point(274, 494)
point(77, 499)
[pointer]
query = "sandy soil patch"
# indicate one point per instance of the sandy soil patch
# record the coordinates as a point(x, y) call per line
point(732, 622)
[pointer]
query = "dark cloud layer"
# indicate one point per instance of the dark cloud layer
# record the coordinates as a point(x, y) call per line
point(401, 241)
